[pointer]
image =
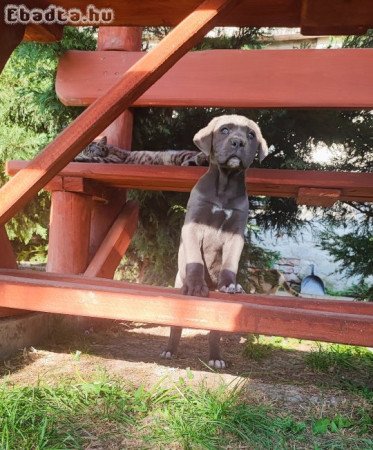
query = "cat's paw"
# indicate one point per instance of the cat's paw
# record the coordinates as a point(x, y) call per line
point(232, 289)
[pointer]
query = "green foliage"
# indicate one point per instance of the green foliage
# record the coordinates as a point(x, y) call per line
point(213, 418)
point(103, 412)
point(335, 357)
point(354, 251)
point(30, 117)
point(256, 348)
point(45, 417)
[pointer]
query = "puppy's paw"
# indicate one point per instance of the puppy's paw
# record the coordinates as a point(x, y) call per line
point(217, 363)
point(232, 289)
point(166, 354)
point(195, 289)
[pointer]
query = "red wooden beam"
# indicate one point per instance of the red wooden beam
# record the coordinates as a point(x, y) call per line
point(115, 244)
point(335, 17)
point(11, 36)
point(317, 304)
point(7, 257)
point(7, 260)
point(318, 197)
point(271, 182)
point(249, 13)
point(174, 309)
point(230, 78)
point(104, 110)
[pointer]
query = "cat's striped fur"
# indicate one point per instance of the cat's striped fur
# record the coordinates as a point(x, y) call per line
point(102, 152)
point(267, 281)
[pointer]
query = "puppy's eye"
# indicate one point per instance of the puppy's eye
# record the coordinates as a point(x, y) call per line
point(251, 134)
point(224, 130)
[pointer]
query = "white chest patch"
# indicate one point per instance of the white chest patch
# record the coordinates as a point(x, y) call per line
point(228, 212)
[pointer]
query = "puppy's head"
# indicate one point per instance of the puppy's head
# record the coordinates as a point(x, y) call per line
point(232, 142)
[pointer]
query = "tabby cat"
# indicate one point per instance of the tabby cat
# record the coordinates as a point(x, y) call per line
point(102, 152)
point(267, 281)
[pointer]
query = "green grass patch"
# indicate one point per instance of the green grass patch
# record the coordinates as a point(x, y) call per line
point(104, 413)
point(203, 418)
point(335, 357)
point(45, 417)
point(258, 347)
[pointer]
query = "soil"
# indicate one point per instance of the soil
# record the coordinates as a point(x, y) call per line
point(131, 351)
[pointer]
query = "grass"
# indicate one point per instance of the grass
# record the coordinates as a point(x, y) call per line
point(334, 357)
point(105, 413)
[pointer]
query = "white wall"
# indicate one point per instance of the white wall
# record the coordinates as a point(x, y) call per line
point(302, 246)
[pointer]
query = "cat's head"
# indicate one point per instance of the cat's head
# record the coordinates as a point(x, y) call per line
point(97, 148)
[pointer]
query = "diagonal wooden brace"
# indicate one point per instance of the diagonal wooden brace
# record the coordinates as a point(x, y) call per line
point(104, 110)
point(115, 244)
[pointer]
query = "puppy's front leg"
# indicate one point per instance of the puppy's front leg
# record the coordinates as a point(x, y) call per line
point(191, 264)
point(190, 277)
point(232, 250)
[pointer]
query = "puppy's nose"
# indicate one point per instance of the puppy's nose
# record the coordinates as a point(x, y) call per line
point(237, 142)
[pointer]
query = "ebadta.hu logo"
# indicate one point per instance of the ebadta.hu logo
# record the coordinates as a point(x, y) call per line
point(21, 14)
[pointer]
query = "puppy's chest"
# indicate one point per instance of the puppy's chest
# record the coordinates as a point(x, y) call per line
point(221, 218)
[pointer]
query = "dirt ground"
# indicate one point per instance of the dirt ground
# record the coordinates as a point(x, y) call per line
point(131, 351)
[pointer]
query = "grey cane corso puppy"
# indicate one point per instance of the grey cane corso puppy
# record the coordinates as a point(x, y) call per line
point(212, 237)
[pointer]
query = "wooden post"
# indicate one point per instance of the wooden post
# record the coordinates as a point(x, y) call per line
point(7, 258)
point(70, 224)
point(119, 133)
point(11, 37)
point(107, 108)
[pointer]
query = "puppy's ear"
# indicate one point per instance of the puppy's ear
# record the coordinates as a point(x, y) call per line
point(203, 139)
point(262, 149)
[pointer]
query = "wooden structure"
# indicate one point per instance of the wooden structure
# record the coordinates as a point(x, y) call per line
point(91, 222)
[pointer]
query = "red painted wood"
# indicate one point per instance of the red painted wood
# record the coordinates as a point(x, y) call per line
point(126, 39)
point(118, 133)
point(335, 17)
point(194, 312)
point(11, 36)
point(251, 13)
point(7, 256)
point(43, 33)
point(115, 243)
point(317, 304)
point(318, 197)
point(7, 260)
point(103, 216)
point(70, 222)
point(119, 38)
point(230, 78)
point(271, 182)
point(104, 110)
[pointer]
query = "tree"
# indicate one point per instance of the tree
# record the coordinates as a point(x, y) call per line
point(30, 117)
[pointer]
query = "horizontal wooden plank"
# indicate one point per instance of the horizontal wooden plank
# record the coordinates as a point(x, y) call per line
point(318, 304)
point(318, 197)
point(270, 182)
point(174, 309)
point(230, 78)
point(347, 15)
